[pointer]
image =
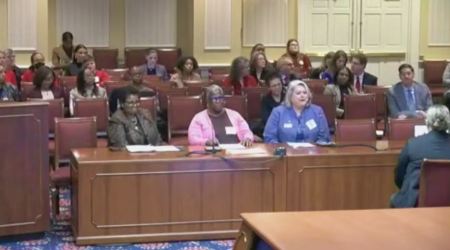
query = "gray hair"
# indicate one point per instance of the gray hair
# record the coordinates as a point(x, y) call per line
point(213, 90)
point(9, 52)
point(290, 91)
point(438, 118)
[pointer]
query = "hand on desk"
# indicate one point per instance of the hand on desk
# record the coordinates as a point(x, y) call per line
point(247, 142)
point(212, 142)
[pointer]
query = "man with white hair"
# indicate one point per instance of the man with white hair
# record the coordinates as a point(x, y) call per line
point(10, 60)
point(433, 145)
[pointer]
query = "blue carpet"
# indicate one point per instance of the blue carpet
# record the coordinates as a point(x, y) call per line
point(60, 238)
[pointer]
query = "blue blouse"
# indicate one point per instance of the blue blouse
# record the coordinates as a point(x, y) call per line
point(284, 125)
point(326, 75)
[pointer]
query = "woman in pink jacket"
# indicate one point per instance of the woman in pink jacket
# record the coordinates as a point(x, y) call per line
point(218, 124)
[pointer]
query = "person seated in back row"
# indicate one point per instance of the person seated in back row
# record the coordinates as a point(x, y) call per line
point(131, 125)
point(408, 99)
point(218, 124)
point(44, 85)
point(297, 119)
point(86, 88)
point(8, 92)
point(239, 76)
point(186, 70)
point(152, 67)
point(361, 77)
point(100, 76)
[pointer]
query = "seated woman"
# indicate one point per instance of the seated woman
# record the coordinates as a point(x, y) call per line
point(100, 76)
point(62, 55)
point(274, 98)
point(433, 145)
point(297, 119)
point(10, 76)
point(185, 71)
point(338, 62)
point(259, 67)
point(78, 60)
point(259, 47)
point(37, 61)
point(239, 76)
point(44, 85)
point(299, 59)
point(8, 92)
point(326, 62)
point(131, 125)
point(152, 67)
point(342, 86)
point(86, 88)
point(218, 124)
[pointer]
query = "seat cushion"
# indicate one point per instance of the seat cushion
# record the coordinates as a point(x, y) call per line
point(61, 174)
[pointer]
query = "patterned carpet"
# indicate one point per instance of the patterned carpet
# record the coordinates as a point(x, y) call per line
point(60, 238)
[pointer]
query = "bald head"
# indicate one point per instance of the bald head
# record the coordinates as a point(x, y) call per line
point(285, 65)
point(135, 74)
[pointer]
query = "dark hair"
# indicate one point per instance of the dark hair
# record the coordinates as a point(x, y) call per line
point(254, 60)
point(32, 55)
point(66, 36)
point(40, 76)
point(361, 58)
point(405, 66)
point(182, 61)
point(129, 91)
point(81, 83)
point(256, 46)
point(271, 76)
point(151, 50)
point(350, 77)
point(235, 69)
point(78, 47)
point(337, 55)
point(289, 43)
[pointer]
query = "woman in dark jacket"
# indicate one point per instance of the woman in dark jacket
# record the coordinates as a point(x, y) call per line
point(131, 125)
point(44, 85)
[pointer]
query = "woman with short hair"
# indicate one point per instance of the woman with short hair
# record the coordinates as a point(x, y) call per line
point(44, 85)
point(297, 119)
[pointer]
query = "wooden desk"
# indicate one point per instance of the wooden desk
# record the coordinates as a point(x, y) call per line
point(123, 198)
point(24, 173)
point(399, 229)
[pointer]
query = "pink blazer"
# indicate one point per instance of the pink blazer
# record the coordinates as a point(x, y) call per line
point(201, 129)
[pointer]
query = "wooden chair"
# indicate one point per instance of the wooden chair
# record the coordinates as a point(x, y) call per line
point(326, 102)
point(151, 104)
point(217, 78)
point(196, 87)
point(402, 129)
point(152, 78)
point(105, 58)
point(163, 96)
point(178, 122)
point(69, 133)
point(69, 82)
point(55, 110)
point(237, 103)
point(317, 86)
point(355, 130)
point(219, 70)
point(169, 57)
point(434, 183)
point(380, 102)
point(254, 96)
point(134, 57)
point(433, 72)
point(112, 85)
point(27, 87)
point(96, 107)
point(360, 106)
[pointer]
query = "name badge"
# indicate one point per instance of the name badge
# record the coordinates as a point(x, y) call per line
point(287, 125)
point(230, 131)
point(311, 124)
point(301, 62)
point(96, 79)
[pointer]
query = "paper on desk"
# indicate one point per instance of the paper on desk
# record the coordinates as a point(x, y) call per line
point(300, 145)
point(150, 148)
point(231, 146)
point(246, 151)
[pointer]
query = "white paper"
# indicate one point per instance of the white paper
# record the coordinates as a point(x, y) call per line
point(150, 148)
point(232, 146)
point(300, 145)
point(246, 151)
point(420, 130)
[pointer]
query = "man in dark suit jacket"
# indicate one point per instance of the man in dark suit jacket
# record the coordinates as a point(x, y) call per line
point(285, 67)
point(361, 78)
point(433, 145)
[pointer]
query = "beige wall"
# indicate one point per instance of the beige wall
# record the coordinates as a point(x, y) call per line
point(190, 31)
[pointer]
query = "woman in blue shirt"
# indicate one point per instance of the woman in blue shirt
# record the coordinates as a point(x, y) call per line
point(297, 120)
point(338, 62)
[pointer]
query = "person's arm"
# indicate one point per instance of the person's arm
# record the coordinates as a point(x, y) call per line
point(324, 130)
point(446, 76)
point(55, 58)
point(116, 135)
point(271, 130)
point(195, 135)
point(165, 77)
point(402, 165)
point(176, 78)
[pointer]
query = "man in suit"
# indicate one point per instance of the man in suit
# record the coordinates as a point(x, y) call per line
point(361, 78)
point(408, 99)
point(433, 145)
point(285, 67)
point(152, 67)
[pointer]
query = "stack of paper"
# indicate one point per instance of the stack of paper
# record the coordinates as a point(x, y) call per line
point(246, 151)
point(231, 146)
point(150, 148)
point(300, 145)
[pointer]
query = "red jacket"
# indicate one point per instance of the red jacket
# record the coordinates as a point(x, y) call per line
point(249, 81)
point(10, 77)
point(101, 77)
point(28, 76)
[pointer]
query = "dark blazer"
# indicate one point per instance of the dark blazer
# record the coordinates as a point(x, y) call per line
point(122, 132)
point(369, 79)
point(120, 93)
point(398, 104)
point(160, 71)
point(267, 105)
point(9, 92)
point(73, 69)
point(56, 90)
point(434, 145)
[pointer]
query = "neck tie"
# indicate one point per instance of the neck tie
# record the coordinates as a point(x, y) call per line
point(358, 84)
point(410, 101)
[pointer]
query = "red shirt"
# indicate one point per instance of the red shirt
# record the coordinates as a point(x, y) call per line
point(249, 81)
point(28, 76)
point(10, 77)
point(101, 77)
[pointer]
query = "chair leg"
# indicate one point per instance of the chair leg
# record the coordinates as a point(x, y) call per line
point(55, 200)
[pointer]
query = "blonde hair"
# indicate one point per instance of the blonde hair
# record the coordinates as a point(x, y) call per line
point(290, 91)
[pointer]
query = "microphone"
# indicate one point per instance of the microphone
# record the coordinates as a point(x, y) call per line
point(212, 149)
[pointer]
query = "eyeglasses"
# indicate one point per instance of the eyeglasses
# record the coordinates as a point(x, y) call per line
point(217, 98)
point(133, 103)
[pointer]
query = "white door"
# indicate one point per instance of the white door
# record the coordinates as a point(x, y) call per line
point(381, 29)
